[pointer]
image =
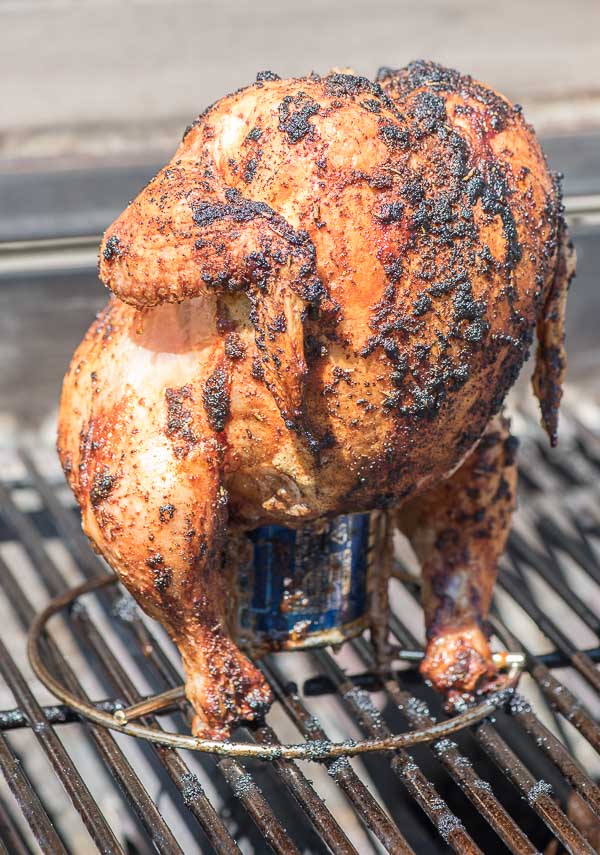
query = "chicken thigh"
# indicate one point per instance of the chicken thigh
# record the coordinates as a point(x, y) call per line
point(319, 306)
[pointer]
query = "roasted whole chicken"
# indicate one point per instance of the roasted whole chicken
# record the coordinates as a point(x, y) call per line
point(319, 306)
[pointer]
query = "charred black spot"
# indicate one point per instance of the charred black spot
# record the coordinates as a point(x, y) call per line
point(295, 122)
point(378, 180)
point(434, 77)
point(503, 490)
point(277, 325)
point(384, 73)
point(234, 347)
point(463, 442)
point(428, 111)
point(400, 369)
point(267, 75)
point(460, 155)
point(494, 193)
point(460, 375)
point(444, 286)
point(237, 208)
point(426, 401)
point(514, 251)
point(421, 351)
point(251, 167)
point(371, 105)
point(511, 446)
point(349, 84)
point(166, 512)
point(179, 417)
point(476, 330)
point(340, 374)
point(390, 212)
point(255, 134)
point(163, 577)
point(393, 269)
point(102, 485)
point(509, 371)
point(112, 248)
point(395, 137)
point(413, 191)
point(258, 372)
point(465, 306)
point(474, 187)
point(447, 540)
point(421, 218)
point(215, 398)
point(421, 305)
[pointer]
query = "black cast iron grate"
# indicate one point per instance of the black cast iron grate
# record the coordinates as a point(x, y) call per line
point(512, 783)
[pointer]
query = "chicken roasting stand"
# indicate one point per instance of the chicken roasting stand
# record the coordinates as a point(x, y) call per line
point(122, 719)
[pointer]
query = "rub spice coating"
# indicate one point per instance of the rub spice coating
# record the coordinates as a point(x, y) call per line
point(319, 306)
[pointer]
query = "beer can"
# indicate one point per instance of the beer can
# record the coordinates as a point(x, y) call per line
point(307, 587)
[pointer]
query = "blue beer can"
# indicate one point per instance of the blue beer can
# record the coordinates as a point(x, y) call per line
point(307, 587)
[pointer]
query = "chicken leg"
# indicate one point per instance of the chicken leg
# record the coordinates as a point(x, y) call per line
point(148, 475)
point(458, 530)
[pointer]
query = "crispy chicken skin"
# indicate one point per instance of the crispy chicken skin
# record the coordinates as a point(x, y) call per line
point(320, 305)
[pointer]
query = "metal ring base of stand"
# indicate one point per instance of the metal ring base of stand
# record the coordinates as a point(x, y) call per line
point(122, 720)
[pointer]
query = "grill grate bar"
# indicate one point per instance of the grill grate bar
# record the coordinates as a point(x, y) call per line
point(522, 551)
point(300, 788)
point(29, 802)
point(561, 700)
point(579, 551)
point(579, 660)
point(478, 791)
point(239, 780)
point(11, 839)
point(257, 806)
point(74, 785)
point(235, 774)
point(15, 719)
point(553, 749)
point(537, 793)
point(368, 809)
point(192, 793)
point(534, 791)
point(564, 702)
point(421, 789)
point(136, 795)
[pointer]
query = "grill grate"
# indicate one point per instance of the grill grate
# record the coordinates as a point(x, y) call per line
point(509, 784)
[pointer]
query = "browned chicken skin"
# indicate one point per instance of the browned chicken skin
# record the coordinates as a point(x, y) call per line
point(320, 304)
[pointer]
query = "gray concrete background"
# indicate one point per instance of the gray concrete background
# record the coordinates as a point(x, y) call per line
point(104, 77)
